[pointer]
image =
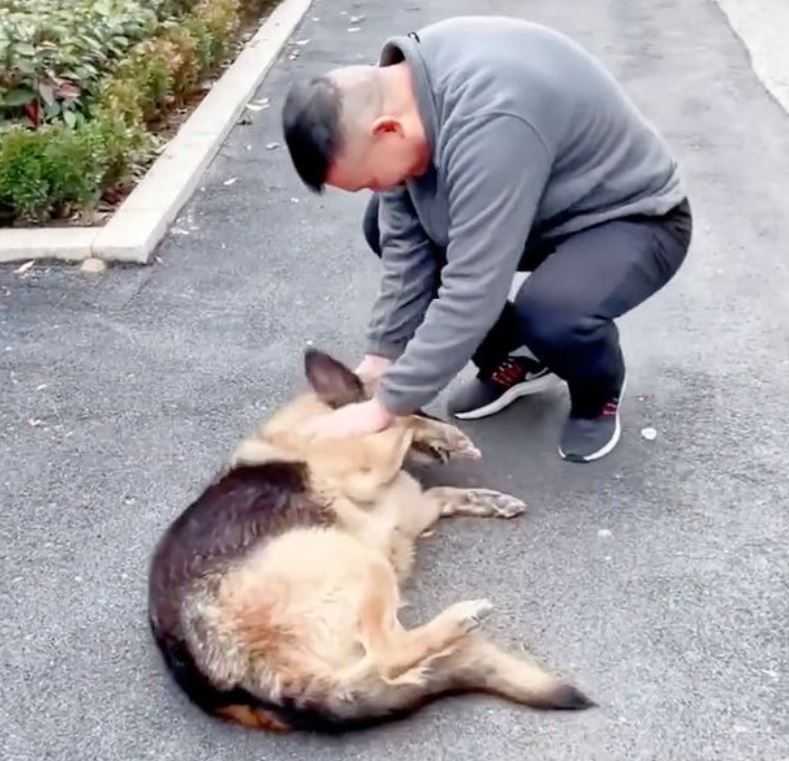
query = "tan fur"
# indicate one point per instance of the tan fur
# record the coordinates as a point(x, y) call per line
point(311, 616)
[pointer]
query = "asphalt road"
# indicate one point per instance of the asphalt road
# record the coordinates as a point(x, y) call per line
point(657, 579)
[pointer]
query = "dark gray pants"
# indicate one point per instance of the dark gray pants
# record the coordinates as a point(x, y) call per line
point(579, 284)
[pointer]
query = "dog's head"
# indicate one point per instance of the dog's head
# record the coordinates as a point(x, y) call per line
point(371, 460)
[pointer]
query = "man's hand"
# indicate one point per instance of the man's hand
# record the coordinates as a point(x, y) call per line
point(372, 367)
point(357, 419)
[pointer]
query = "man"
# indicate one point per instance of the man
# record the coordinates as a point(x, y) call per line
point(494, 146)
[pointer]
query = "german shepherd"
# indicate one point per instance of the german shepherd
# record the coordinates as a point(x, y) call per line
point(274, 597)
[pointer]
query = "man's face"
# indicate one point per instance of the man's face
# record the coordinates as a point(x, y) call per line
point(380, 161)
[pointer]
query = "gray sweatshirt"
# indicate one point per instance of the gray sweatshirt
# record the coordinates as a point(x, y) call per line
point(529, 135)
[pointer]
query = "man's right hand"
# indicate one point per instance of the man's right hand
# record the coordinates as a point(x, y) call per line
point(372, 367)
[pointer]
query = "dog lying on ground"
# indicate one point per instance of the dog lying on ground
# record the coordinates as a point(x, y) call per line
point(274, 597)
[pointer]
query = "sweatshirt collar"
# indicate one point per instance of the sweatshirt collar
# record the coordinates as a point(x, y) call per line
point(406, 47)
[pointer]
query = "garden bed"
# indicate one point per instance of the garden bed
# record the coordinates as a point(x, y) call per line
point(92, 90)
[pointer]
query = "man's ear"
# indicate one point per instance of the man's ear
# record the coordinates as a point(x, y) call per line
point(332, 381)
point(387, 125)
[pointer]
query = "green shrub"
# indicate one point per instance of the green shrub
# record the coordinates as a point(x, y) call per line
point(44, 170)
point(142, 83)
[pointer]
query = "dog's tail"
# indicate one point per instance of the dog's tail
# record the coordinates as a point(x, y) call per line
point(482, 666)
point(477, 665)
point(236, 705)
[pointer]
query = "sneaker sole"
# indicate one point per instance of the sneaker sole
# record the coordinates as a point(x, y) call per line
point(610, 444)
point(509, 396)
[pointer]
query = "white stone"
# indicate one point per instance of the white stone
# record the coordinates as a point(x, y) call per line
point(93, 266)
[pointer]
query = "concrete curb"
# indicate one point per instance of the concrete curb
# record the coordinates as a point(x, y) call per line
point(762, 26)
point(141, 222)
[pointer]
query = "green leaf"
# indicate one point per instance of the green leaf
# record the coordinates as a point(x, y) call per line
point(47, 93)
point(26, 67)
point(70, 118)
point(25, 49)
point(52, 111)
point(20, 96)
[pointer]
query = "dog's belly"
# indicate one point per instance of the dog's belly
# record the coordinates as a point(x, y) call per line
point(311, 583)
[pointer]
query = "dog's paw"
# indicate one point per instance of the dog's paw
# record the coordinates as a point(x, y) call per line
point(470, 614)
point(445, 442)
point(493, 503)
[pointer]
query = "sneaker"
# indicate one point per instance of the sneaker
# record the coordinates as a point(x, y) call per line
point(586, 438)
point(513, 378)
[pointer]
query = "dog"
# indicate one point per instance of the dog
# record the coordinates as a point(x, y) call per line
point(274, 597)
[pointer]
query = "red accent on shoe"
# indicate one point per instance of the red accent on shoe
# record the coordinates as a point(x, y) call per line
point(508, 373)
point(610, 408)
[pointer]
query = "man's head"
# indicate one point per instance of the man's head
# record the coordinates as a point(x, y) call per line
point(356, 127)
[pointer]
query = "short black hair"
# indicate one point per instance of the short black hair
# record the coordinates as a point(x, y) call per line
point(311, 126)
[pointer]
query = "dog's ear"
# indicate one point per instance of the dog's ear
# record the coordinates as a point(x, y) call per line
point(332, 381)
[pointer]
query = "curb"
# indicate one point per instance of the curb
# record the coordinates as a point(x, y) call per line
point(142, 220)
point(761, 26)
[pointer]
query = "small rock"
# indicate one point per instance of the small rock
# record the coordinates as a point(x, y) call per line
point(302, 43)
point(354, 28)
point(231, 181)
point(24, 268)
point(93, 266)
point(41, 387)
point(272, 146)
point(603, 533)
point(356, 19)
point(650, 434)
point(294, 200)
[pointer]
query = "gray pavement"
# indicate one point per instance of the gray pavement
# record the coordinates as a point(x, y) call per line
point(657, 579)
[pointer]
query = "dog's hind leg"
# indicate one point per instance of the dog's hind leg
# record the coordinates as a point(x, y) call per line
point(484, 503)
point(394, 650)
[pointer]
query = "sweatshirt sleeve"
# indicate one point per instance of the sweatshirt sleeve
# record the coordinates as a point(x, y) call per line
point(409, 280)
point(497, 167)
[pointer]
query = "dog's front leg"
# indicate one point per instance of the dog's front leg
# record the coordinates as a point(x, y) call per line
point(482, 503)
point(435, 440)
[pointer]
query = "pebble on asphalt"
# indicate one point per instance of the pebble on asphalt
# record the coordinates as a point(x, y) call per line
point(93, 266)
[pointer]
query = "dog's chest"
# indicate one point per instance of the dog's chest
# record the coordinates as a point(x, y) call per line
point(400, 507)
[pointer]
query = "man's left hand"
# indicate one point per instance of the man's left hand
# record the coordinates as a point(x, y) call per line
point(357, 419)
